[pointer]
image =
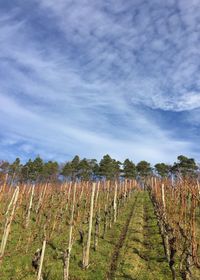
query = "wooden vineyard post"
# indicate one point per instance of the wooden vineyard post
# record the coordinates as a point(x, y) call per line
point(81, 194)
point(168, 242)
point(97, 194)
point(39, 276)
point(106, 213)
point(68, 195)
point(165, 235)
point(96, 231)
point(125, 191)
point(163, 199)
point(67, 252)
point(97, 218)
point(5, 182)
point(30, 207)
point(41, 197)
point(198, 186)
point(11, 202)
point(86, 251)
point(8, 223)
point(115, 203)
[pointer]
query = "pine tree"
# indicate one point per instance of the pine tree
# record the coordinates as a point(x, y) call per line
point(67, 170)
point(14, 170)
point(162, 169)
point(109, 168)
point(144, 168)
point(50, 171)
point(185, 166)
point(129, 169)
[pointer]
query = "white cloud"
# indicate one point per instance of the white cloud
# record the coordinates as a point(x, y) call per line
point(172, 53)
point(84, 97)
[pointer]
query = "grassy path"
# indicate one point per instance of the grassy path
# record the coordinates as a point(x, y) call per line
point(119, 244)
point(142, 254)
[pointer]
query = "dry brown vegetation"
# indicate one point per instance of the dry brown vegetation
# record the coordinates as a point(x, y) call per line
point(100, 230)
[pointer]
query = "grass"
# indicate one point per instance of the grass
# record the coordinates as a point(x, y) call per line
point(143, 256)
point(17, 262)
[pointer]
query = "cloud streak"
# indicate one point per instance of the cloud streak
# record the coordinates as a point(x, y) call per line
point(91, 78)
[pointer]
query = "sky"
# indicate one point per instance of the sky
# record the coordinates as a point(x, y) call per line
point(92, 77)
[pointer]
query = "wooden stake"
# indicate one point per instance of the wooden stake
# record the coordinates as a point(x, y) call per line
point(115, 203)
point(39, 276)
point(67, 253)
point(30, 207)
point(8, 224)
point(86, 252)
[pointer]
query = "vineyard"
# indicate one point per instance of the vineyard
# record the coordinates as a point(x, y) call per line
point(99, 130)
point(100, 230)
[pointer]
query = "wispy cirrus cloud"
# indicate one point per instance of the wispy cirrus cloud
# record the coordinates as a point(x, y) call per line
point(143, 44)
point(91, 78)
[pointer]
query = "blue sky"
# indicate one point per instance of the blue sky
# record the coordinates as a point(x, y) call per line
point(95, 77)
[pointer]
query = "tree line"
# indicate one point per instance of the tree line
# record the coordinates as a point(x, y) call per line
point(39, 171)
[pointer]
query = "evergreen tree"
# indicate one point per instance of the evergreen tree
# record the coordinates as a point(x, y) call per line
point(185, 166)
point(32, 170)
point(144, 168)
point(14, 170)
point(50, 171)
point(37, 169)
point(75, 167)
point(84, 169)
point(4, 166)
point(109, 168)
point(26, 171)
point(129, 169)
point(67, 170)
point(95, 167)
point(95, 170)
point(162, 169)
point(71, 168)
point(4, 169)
